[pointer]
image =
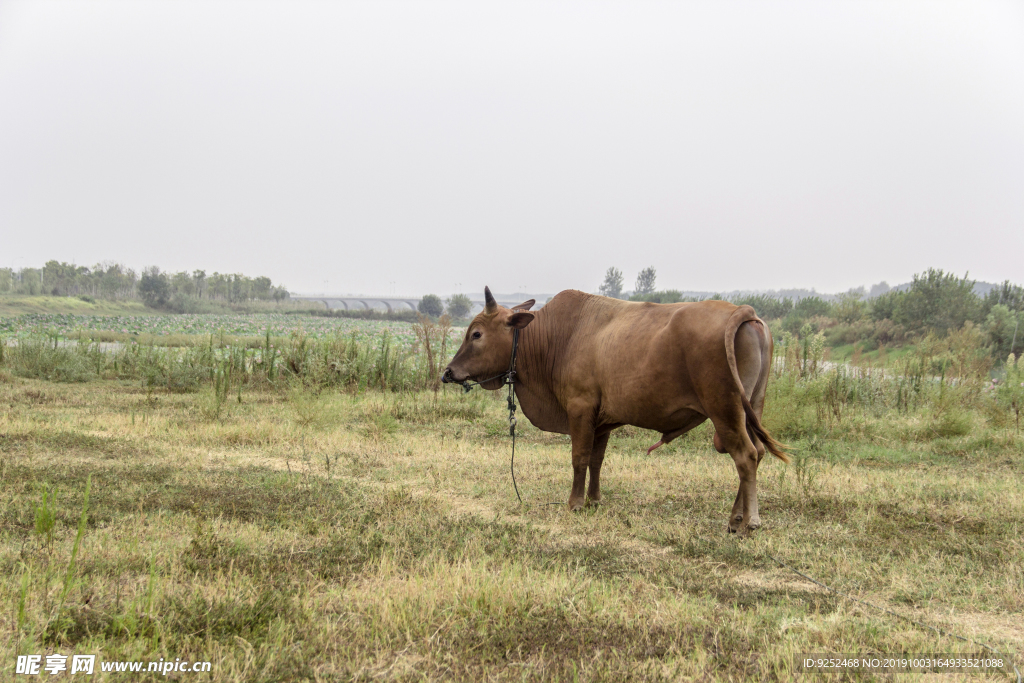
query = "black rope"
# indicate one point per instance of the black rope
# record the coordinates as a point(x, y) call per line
point(896, 614)
point(510, 379)
point(467, 385)
point(512, 433)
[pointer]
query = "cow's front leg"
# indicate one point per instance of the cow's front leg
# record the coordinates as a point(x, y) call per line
point(581, 431)
point(596, 460)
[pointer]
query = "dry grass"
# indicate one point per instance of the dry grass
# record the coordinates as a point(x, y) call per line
point(335, 536)
point(21, 304)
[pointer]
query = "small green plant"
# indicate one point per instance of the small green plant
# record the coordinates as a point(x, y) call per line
point(82, 520)
point(212, 400)
point(69, 573)
point(310, 408)
point(26, 581)
point(46, 516)
point(1010, 393)
point(806, 472)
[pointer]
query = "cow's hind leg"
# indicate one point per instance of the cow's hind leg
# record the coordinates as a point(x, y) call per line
point(733, 435)
point(596, 460)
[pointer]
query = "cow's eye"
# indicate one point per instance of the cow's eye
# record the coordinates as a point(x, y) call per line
point(476, 335)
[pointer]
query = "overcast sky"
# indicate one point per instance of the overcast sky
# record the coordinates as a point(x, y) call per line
point(440, 146)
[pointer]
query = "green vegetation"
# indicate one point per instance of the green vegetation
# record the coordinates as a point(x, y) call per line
point(305, 535)
point(935, 305)
point(612, 285)
point(298, 498)
point(354, 361)
point(14, 305)
point(287, 531)
point(459, 306)
point(645, 281)
point(431, 305)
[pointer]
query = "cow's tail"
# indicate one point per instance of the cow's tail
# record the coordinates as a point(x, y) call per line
point(741, 315)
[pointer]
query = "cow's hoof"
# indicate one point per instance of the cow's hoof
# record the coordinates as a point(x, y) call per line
point(594, 500)
point(744, 529)
point(576, 505)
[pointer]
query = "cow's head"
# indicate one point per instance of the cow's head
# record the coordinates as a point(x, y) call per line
point(487, 349)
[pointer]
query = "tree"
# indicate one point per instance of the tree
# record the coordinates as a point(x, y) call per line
point(937, 301)
point(884, 306)
point(612, 283)
point(811, 306)
point(431, 305)
point(183, 284)
point(199, 277)
point(1011, 296)
point(851, 307)
point(1003, 327)
point(645, 281)
point(154, 287)
point(459, 306)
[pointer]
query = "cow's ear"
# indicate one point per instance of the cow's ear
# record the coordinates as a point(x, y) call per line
point(520, 319)
point(525, 306)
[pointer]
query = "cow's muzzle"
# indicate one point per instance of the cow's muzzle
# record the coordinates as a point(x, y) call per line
point(448, 377)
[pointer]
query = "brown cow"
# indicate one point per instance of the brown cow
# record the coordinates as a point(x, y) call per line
point(588, 364)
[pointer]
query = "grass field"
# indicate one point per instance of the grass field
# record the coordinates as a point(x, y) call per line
point(13, 305)
point(326, 536)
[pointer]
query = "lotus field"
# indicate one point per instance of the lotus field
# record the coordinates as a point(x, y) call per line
point(171, 328)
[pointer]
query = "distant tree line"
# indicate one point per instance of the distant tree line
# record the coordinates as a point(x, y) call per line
point(935, 302)
point(458, 306)
point(154, 287)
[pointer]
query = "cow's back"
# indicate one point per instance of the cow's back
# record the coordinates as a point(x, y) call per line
point(643, 361)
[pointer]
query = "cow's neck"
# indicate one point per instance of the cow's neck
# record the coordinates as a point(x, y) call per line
point(539, 364)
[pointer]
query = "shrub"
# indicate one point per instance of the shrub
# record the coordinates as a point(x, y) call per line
point(667, 296)
point(811, 306)
point(850, 333)
point(883, 307)
point(888, 332)
point(767, 307)
point(850, 308)
point(51, 360)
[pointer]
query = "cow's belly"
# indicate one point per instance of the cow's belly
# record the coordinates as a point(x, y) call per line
point(680, 421)
point(663, 414)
